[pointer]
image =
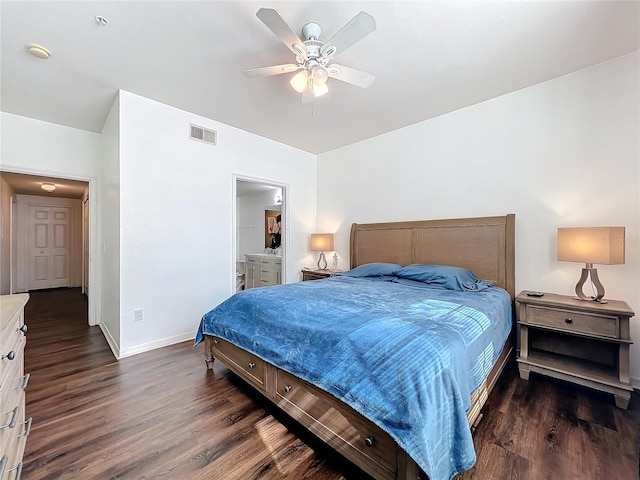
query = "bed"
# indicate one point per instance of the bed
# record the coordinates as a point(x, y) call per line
point(353, 386)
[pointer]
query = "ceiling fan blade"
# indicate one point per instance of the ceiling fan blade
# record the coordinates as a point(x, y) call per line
point(358, 27)
point(273, 70)
point(279, 27)
point(351, 75)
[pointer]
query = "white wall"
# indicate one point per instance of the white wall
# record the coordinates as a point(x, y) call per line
point(108, 228)
point(561, 153)
point(33, 146)
point(176, 216)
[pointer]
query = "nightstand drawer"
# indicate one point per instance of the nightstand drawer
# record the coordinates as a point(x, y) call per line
point(571, 321)
point(317, 274)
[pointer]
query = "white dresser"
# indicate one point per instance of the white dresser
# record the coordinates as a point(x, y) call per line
point(262, 270)
point(14, 430)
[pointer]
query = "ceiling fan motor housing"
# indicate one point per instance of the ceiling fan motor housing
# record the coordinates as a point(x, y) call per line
point(311, 31)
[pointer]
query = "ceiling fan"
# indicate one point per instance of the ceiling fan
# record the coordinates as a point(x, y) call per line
point(314, 58)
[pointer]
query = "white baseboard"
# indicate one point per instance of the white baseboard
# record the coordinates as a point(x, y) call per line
point(163, 342)
point(110, 340)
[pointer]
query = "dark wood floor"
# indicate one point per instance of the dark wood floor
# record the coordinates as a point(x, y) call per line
point(162, 415)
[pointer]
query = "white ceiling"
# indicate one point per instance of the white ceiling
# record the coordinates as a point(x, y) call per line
point(429, 58)
point(31, 185)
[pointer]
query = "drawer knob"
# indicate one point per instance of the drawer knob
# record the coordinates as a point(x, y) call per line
point(215, 341)
point(9, 356)
point(568, 320)
point(251, 364)
point(23, 328)
point(287, 388)
point(369, 441)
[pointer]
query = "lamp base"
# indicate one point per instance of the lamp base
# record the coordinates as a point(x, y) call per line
point(587, 272)
point(322, 262)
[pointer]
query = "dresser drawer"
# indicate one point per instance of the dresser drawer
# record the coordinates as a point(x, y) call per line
point(356, 437)
point(14, 427)
point(247, 365)
point(14, 445)
point(12, 397)
point(571, 321)
point(12, 378)
point(11, 341)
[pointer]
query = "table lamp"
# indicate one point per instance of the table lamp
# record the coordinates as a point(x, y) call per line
point(591, 245)
point(322, 242)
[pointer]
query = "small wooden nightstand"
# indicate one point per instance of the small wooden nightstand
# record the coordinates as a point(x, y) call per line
point(317, 274)
point(586, 343)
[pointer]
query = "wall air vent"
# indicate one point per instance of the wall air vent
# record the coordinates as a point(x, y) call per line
point(203, 135)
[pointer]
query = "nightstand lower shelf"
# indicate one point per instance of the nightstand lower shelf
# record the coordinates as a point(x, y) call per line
point(576, 371)
point(586, 343)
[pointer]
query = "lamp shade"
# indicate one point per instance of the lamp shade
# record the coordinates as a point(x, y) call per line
point(601, 245)
point(322, 242)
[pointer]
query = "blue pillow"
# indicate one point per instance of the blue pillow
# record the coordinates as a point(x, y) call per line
point(451, 278)
point(372, 270)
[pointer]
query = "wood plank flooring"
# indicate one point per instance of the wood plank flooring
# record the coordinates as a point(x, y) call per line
point(162, 415)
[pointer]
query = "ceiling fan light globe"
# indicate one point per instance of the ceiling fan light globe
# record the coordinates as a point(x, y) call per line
point(299, 81)
point(320, 75)
point(320, 90)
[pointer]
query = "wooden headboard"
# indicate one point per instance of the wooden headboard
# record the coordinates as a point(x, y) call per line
point(484, 245)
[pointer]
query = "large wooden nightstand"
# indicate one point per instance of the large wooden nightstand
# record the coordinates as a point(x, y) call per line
point(586, 343)
point(317, 274)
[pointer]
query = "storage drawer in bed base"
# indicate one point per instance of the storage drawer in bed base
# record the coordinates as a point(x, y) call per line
point(342, 428)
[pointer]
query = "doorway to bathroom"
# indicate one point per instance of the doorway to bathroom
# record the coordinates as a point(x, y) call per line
point(260, 242)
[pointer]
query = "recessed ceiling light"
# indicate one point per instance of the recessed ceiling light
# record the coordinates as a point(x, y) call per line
point(100, 20)
point(49, 187)
point(38, 51)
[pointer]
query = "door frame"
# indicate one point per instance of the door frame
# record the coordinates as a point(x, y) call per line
point(13, 211)
point(85, 245)
point(234, 220)
point(94, 300)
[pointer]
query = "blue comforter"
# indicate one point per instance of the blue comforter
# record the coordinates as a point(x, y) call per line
point(407, 358)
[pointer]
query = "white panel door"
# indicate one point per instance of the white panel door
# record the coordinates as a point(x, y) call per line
point(49, 247)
